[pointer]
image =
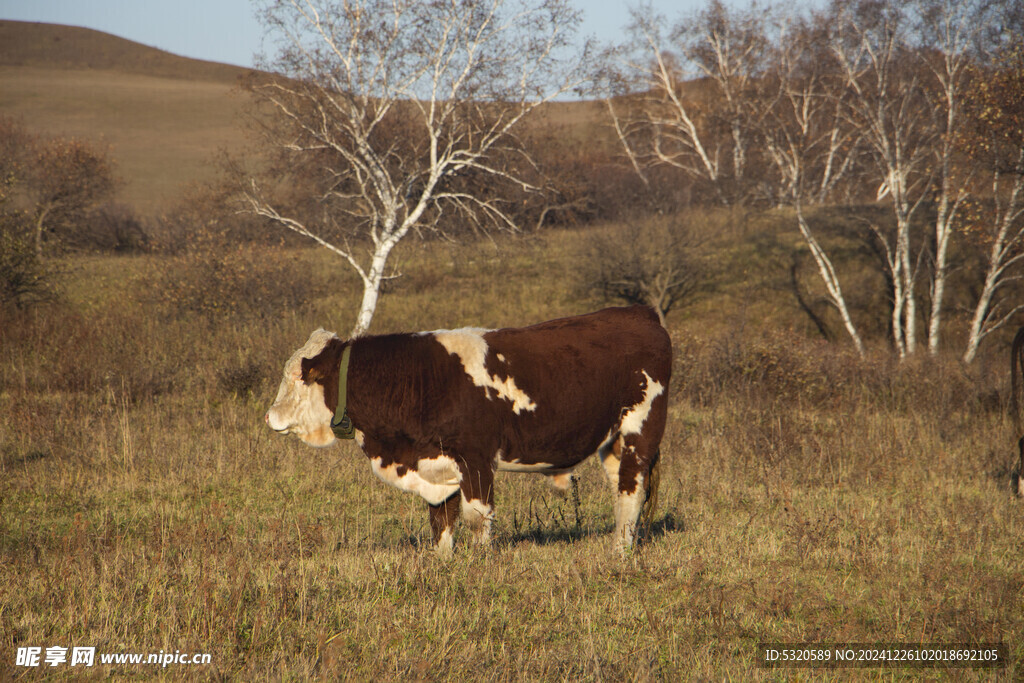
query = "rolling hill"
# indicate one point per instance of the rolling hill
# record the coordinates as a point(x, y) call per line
point(163, 116)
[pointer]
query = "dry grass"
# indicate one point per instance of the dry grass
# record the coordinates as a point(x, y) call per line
point(806, 497)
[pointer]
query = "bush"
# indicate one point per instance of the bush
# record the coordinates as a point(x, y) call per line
point(656, 261)
point(244, 380)
point(214, 279)
point(24, 278)
point(111, 227)
point(780, 368)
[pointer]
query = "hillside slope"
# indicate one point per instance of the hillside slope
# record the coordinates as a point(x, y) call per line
point(71, 47)
point(163, 116)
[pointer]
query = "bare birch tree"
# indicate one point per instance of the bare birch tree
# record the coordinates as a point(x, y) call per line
point(808, 140)
point(871, 45)
point(387, 106)
point(679, 96)
point(994, 142)
point(948, 31)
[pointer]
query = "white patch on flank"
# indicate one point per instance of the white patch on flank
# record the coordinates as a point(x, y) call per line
point(445, 544)
point(478, 515)
point(435, 479)
point(633, 421)
point(627, 512)
point(611, 463)
point(299, 407)
point(469, 345)
point(516, 466)
point(562, 481)
point(609, 460)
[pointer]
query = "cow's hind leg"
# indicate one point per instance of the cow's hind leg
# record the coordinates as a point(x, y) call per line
point(637, 476)
point(1020, 469)
point(442, 524)
point(477, 489)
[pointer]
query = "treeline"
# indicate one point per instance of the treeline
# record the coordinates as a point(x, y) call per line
point(916, 106)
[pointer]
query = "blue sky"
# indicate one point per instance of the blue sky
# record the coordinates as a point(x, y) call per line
point(227, 31)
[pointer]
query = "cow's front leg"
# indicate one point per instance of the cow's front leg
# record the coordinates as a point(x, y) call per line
point(477, 490)
point(442, 524)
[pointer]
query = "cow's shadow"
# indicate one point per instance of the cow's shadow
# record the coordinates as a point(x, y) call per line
point(669, 523)
point(542, 536)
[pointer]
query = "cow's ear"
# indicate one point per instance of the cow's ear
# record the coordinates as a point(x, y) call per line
point(317, 368)
point(311, 370)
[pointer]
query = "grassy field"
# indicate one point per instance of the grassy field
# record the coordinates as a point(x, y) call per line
point(807, 496)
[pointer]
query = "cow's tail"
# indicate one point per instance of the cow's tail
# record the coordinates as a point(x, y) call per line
point(651, 502)
point(1016, 382)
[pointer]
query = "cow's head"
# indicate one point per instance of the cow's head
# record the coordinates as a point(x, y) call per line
point(300, 407)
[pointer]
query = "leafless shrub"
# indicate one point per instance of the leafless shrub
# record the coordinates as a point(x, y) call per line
point(783, 369)
point(25, 279)
point(214, 279)
point(111, 227)
point(657, 262)
point(242, 380)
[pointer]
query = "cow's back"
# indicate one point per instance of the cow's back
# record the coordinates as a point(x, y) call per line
point(581, 373)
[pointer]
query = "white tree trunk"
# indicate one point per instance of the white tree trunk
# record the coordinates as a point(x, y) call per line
point(1003, 257)
point(831, 280)
point(943, 230)
point(372, 280)
point(981, 310)
point(907, 271)
point(367, 307)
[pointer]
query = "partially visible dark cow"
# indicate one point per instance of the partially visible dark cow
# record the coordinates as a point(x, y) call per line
point(437, 413)
point(1016, 386)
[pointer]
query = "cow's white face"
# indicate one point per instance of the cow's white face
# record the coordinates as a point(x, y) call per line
point(299, 408)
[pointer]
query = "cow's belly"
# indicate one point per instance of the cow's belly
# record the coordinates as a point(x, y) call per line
point(435, 479)
point(543, 459)
point(544, 467)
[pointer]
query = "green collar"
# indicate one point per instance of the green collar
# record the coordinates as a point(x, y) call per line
point(341, 425)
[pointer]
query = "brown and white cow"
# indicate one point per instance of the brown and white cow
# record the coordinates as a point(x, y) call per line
point(437, 413)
